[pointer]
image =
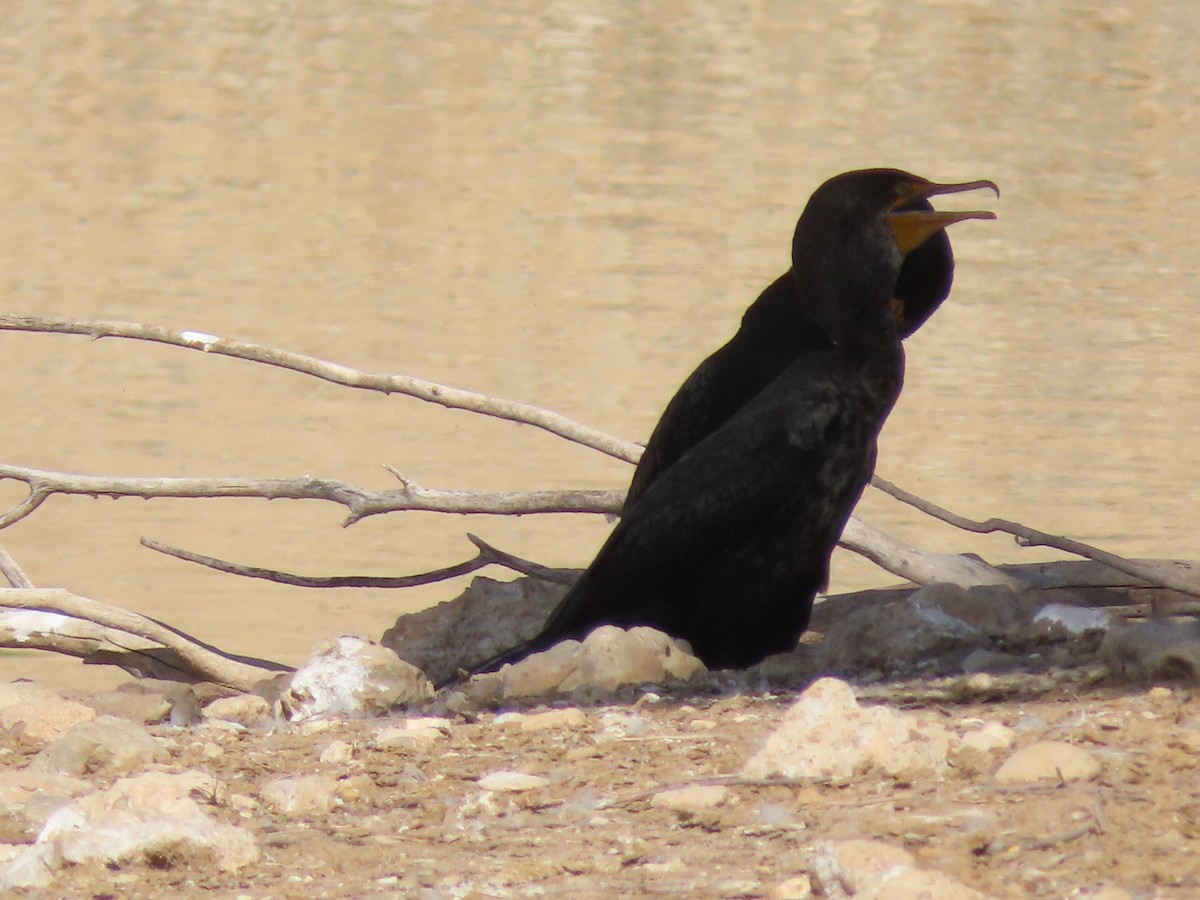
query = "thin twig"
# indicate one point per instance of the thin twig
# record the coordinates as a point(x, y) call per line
point(486, 556)
point(1031, 537)
point(449, 397)
point(12, 570)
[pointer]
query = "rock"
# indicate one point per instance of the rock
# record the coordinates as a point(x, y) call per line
point(150, 819)
point(555, 718)
point(245, 709)
point(301, 795)
point(605, 660)
point(135, 701)
point(797, 888)
point(1048, 760)
point(512, 781)
point(21, 787)
point(12, 692)
point(352, 677)
point(850, 868)
point(418, 732)
point(826, 734)
point(1150, 650)
point(37, 715)
point(940, 621)
point(982, 659)
point(1064, 620)
point(874, 870)
point(337, 753)
point(973, 754)
point(487, 618)
point(107, 744)
point(692, 798)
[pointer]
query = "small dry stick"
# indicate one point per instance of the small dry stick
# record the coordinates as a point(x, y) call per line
point(486, 556)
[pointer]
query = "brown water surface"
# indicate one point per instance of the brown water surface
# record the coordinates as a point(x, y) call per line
point(568, 204)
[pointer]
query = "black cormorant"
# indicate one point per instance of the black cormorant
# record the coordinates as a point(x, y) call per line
point(776, 329)
point(728, 545)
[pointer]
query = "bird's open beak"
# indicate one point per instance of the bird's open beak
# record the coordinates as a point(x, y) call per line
point(915, 226)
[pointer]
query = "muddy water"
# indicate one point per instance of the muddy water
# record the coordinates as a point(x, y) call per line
point(568, 204)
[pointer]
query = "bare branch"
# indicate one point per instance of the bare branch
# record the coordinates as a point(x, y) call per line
point(1181, 579)
point(524, 566)
point(12, 570)
point(917, 565)
point(487, 555)
point(321, 581)
point(451, 398)
point(199, 660)
point(360, 502)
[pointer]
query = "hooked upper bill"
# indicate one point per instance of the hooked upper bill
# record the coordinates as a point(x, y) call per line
point(915, 226)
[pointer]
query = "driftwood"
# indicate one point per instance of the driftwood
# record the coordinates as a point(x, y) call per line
point(56, 619)
point(63, 622)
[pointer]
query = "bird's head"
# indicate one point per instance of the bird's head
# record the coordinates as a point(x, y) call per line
point(875, 230)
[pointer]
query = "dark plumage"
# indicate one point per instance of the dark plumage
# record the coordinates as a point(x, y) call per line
point(776, 329)
point(728, 545)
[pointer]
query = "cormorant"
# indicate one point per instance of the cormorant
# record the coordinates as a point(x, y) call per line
point(776, 329)
point(728, 546)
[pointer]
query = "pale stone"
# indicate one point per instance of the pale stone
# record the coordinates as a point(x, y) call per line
point(351, 676)
point(826, 734)
point(107, 744)
point(555, 718)
point(797, 888)
point(1048, 760)
point(18, 786)
point(607, 659)
point(849, 868)
point(692, 798)
point(245, 709)
point(337, 753)
point(138, 818)
point(301, 795)
point(40, 720)
point(413, 733)
point(132, 702)
point(512, 781)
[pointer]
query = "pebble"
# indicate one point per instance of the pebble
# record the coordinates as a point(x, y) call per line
point(797, 888)
point(245, 709)
point(336, 753)
point(691, 798)
point(300, 795)
point(512, 781)
point(555, 718)
point(1048, 760)
point(133, 703)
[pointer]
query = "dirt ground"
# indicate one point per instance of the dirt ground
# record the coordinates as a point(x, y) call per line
point(415, 822)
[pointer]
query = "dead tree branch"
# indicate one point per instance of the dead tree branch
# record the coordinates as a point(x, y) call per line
point(128, 633)
point(449, 397)
point(360, 502)
point(1181, 579)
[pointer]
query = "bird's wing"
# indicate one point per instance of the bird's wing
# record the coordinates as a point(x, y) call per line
point(727, 488)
